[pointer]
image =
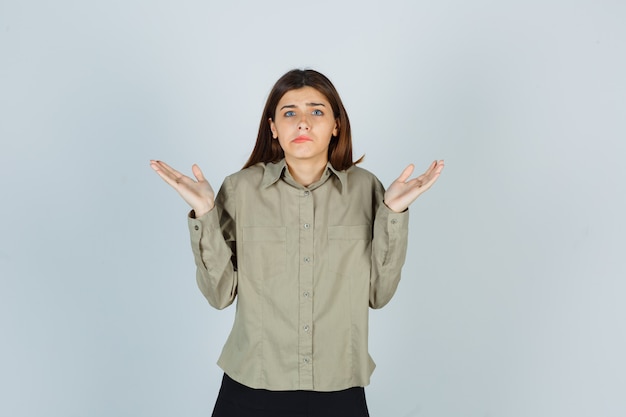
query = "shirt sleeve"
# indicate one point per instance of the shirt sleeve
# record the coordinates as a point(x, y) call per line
point(214, 250)
point(389, 246)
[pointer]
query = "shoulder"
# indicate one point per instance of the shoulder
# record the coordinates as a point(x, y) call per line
point(358, 176)
point(241, 183)
point(250, 175)
point(358, 172)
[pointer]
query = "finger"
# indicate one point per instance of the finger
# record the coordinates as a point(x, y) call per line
point(406, 173)
point(169, 170)
point(162, 168)
point(431, 168)
point(427, 179)
point(424, 177)
point(197, 172)
point(167, 173)
point(435, 167)
point(431, 179)
point(155, 165)
point(436, 171)
point(440, 166)
point(167, 177)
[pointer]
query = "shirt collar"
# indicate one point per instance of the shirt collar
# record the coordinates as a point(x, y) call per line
point(275, 171)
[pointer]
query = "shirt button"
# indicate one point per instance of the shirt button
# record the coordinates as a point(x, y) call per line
point(306, 294)
point(306, 360)
point(306, 225)
point(306, 193)
point(307, 259)
point(394, 221)
point(196, 227)
point(306, 328)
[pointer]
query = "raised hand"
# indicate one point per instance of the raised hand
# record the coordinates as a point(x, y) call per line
point(402, 192)
point(197, 193)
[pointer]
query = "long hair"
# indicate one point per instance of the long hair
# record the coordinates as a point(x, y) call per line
point(268, 150)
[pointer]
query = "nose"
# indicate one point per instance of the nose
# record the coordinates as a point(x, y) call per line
point(303, 123)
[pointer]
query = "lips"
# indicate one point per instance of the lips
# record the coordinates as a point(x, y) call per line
point(302, 139)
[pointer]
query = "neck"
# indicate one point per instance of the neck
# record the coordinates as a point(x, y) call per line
point(306, 172)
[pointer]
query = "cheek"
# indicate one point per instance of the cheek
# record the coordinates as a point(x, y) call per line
point(280, 142)
point(283, 126)
point(280, 129)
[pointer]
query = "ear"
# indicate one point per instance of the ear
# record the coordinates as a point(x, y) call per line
point(273, 128)
point(336, 128)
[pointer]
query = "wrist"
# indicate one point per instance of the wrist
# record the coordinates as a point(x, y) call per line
point(201, 211)
point(394, 208)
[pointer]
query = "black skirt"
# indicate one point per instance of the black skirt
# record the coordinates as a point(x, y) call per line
point(237, 400)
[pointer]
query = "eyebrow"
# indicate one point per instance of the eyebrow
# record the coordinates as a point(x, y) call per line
point(293, 106)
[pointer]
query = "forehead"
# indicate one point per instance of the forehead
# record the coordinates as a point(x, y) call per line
point(303, 96)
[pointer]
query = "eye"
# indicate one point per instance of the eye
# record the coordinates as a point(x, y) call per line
point(317, 112)
point(290, 113)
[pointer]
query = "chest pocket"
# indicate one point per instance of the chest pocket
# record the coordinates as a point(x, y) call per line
point(264, 251)
point(349, 249)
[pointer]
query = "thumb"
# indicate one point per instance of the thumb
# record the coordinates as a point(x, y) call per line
point(406, 173)
point(197, 172)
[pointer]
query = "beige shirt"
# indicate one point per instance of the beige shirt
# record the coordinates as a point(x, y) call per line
point(304, 263)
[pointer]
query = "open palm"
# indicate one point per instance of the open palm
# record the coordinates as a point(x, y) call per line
point(403, 191)
point(197, 193)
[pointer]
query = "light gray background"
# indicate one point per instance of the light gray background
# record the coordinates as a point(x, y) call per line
point(511, 302)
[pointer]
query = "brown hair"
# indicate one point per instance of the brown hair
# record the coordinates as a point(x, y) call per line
point(267, 149)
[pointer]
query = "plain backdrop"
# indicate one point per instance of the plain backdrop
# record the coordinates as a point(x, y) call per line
point(512, 297)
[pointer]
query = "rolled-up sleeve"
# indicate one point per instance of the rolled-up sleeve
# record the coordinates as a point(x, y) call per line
point(214, 250)
point(389, 246)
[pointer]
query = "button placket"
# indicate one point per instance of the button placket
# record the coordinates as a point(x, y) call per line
point(305, 277)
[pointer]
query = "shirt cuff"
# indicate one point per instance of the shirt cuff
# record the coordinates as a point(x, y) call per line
point(203, 224)
point(395, 221)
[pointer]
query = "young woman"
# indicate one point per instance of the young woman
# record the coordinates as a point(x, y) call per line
point(307, 242)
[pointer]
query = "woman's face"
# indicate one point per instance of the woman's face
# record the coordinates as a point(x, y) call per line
point(303, 125)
